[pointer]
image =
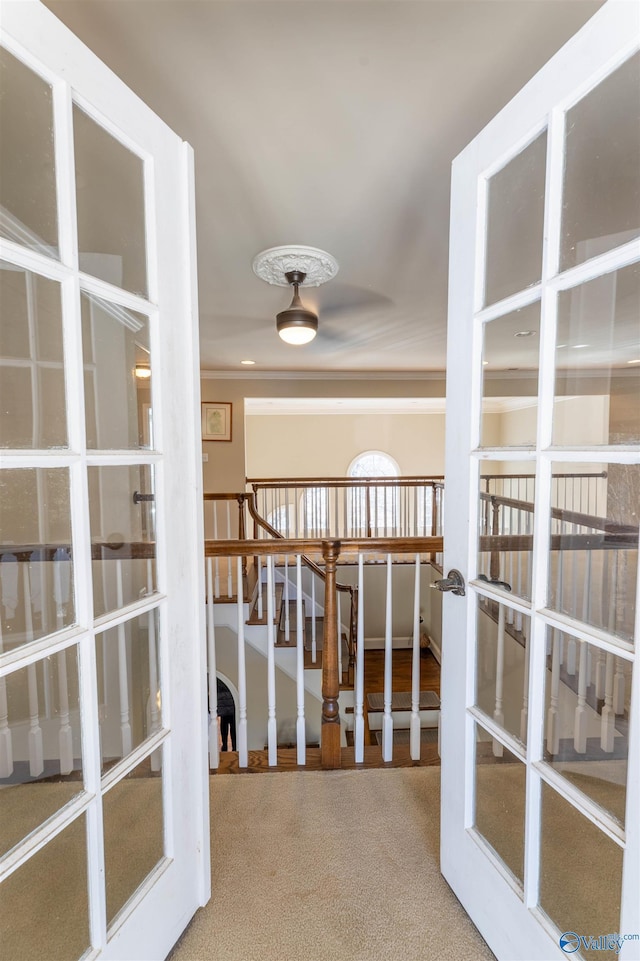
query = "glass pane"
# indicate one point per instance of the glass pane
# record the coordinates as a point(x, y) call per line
point(110, 200)
point(506, 516)
point(39, 744)
point(587, 698)
point(515, 218)
point(123, 535)
point(601, 206)
point(44, 909)
point(117, 375)
point(598, 362)
point(36, 570)
point(133, 842)
point(500, 800)
point(128, 658)
point(594, 546)
point(32, 394)
point(502, 674)
point(510, 403)
point(580, 872)
point(28, 213)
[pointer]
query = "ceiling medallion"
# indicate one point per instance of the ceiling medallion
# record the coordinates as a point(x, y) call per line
point(274, 264)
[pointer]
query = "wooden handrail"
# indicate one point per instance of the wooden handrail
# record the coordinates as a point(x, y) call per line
point(100, 550)
point(562, 514)
point(417, 480)
point(308, 545)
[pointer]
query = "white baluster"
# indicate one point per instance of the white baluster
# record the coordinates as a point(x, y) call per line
point(580, 718)
point(214, 748)
point(387, 718)
point(314, 645)
point(358, 731)
point(217, 560)
point(6, 746)
point(287, 618)
point(241, 734)
point(553, 733)
point(65, 734)
point(301, 737)
point(154, 685)
point(260, 604)
point(36, 751)
point(414, 735)
point(607, 730)
point(123, 674)
point(229, 563)
point(39, 605)
point(498, 713)
point(572, 644)
point(618, 686)
point(524, 712)
point(272, 729)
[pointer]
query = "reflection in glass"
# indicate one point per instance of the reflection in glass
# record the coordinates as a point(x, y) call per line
point(515, 217)
point(115, 343)
point(594, 550)
point(506, 514)
point(500, 800)
point(510, 404)
point(580, 871)
point(601, 190)
point(123, 530)
point(587, 701)
point(133, 832)
point(598, 362)
point(28, 213)
point(40, 748)
point(44, 909)
point(36, 570)
point(128, 661)
point(503, 641)
point(32, 395)
point(110, 200)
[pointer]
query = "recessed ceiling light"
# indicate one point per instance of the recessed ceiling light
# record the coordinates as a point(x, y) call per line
point(560, 346)
point(247, 363)
point(636, 361)
point(524, 333)
point(484, 363)
point(578, 346)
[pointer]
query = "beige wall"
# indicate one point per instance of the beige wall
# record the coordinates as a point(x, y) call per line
point(293, 445)
point(225, 468)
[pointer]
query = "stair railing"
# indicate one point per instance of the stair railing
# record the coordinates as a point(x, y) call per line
point(330, 550)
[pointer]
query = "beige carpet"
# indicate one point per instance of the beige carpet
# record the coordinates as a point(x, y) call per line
point(339, 866)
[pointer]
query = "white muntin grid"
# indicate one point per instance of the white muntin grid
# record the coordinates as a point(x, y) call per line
point(541, 461)
point(75, 459)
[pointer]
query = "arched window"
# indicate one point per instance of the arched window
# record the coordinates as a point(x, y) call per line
point(374, 510)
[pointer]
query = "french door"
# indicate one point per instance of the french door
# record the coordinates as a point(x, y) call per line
point(104, 803)
point(540, 682)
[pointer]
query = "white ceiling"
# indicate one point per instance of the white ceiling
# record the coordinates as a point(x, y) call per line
point(331, 123)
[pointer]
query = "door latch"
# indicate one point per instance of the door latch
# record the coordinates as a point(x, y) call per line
point(502, 584)
point(453, 582)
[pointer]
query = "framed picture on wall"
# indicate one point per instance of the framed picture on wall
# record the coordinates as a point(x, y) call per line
point(216, 421)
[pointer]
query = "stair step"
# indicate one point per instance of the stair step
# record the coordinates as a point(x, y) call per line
point(293, 625)
point(253, 614)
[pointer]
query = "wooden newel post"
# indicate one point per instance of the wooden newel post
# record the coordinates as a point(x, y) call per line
point(330, 735)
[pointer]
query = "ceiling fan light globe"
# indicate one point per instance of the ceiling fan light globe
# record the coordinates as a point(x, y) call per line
point(297, 334)
point(297, 325)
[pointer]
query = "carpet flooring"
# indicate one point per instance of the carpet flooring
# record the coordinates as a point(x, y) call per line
point(335, 866)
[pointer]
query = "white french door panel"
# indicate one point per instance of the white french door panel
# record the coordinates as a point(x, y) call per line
point(506, 909)
point(169, 605)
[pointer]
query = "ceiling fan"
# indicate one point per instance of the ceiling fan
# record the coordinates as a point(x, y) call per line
point(297, 266)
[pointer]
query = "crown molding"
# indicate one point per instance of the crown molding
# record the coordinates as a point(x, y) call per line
point(432, 375)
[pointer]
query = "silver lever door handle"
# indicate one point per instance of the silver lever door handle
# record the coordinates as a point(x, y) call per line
point(453, 582)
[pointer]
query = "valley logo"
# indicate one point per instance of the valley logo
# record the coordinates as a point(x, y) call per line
point(570, 942)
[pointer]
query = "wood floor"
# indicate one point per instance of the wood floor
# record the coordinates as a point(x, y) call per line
point(373, 683)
